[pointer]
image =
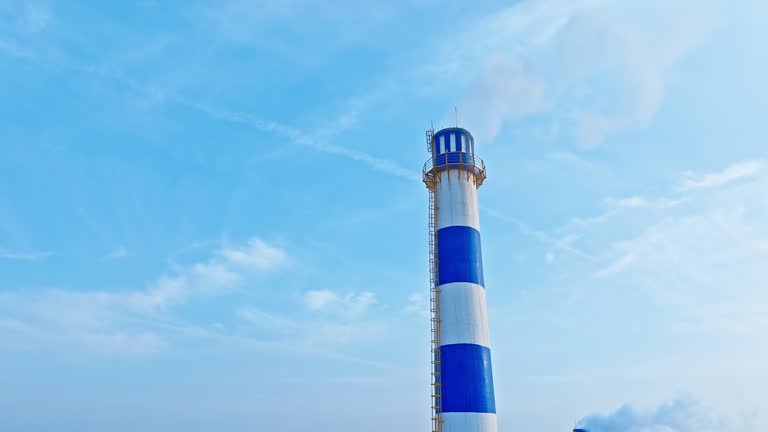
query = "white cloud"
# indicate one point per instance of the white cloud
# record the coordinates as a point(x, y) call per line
point(319, 300)
point(637, 202)
point(120, 252)
point(418, 303)
point(23, 255)
point(98, 321)
point(350, 304)
point(632, 202)
point(739, 171)
point(256, 255)
point(229, 266)
point(215, 274)
point(131, 322)
point(165, 291)
point(356, 304)
point(225, 270)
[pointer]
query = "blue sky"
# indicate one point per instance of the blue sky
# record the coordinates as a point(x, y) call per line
point(211, 215)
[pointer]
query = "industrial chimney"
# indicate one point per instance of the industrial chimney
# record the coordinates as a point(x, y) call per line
point(462, 381)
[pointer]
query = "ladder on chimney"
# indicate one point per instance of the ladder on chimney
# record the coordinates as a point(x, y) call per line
point(434, 295)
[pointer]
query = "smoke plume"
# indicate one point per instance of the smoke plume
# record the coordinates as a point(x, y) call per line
point(676, 416)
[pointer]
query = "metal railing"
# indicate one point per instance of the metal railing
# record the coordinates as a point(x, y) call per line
point(467, 162)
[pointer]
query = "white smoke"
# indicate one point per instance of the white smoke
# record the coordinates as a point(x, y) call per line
point(677, 416)
point(585, 69)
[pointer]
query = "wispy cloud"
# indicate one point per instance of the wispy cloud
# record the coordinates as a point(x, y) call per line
point(25, 16)
point(131, 321)
point(21, 22)
point(319, 333)
point(350, 304)
point(727, 219)
point(97, 321)
point(562, 244)
point(616, 267)
point(23, 255)
point(730, 320)
point(246, 21)
point(120, 252)
point(688, 245)
point(684, 192)
point(10, 48)
point(331, 319)
point(640, 202)
point(614, 207)
point(418, 303)
point(319, 140)
point(36, 16)
point(256, 255)
point(315, 331)
point(319, 300)
point(269, 322)
point(733, 173)
point(227, 268)
point(704, 264)
point(302, 138)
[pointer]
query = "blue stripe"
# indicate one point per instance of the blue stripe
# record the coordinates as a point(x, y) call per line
point(466, 378)
point(460, 255)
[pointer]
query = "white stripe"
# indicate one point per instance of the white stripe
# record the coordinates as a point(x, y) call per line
point(457, 200)
point(463, 317)
point(469, 422)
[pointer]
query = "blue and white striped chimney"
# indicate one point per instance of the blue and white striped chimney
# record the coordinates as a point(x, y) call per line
point(465, 399)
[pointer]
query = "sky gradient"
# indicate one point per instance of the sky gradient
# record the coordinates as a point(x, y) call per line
point(212, 215)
